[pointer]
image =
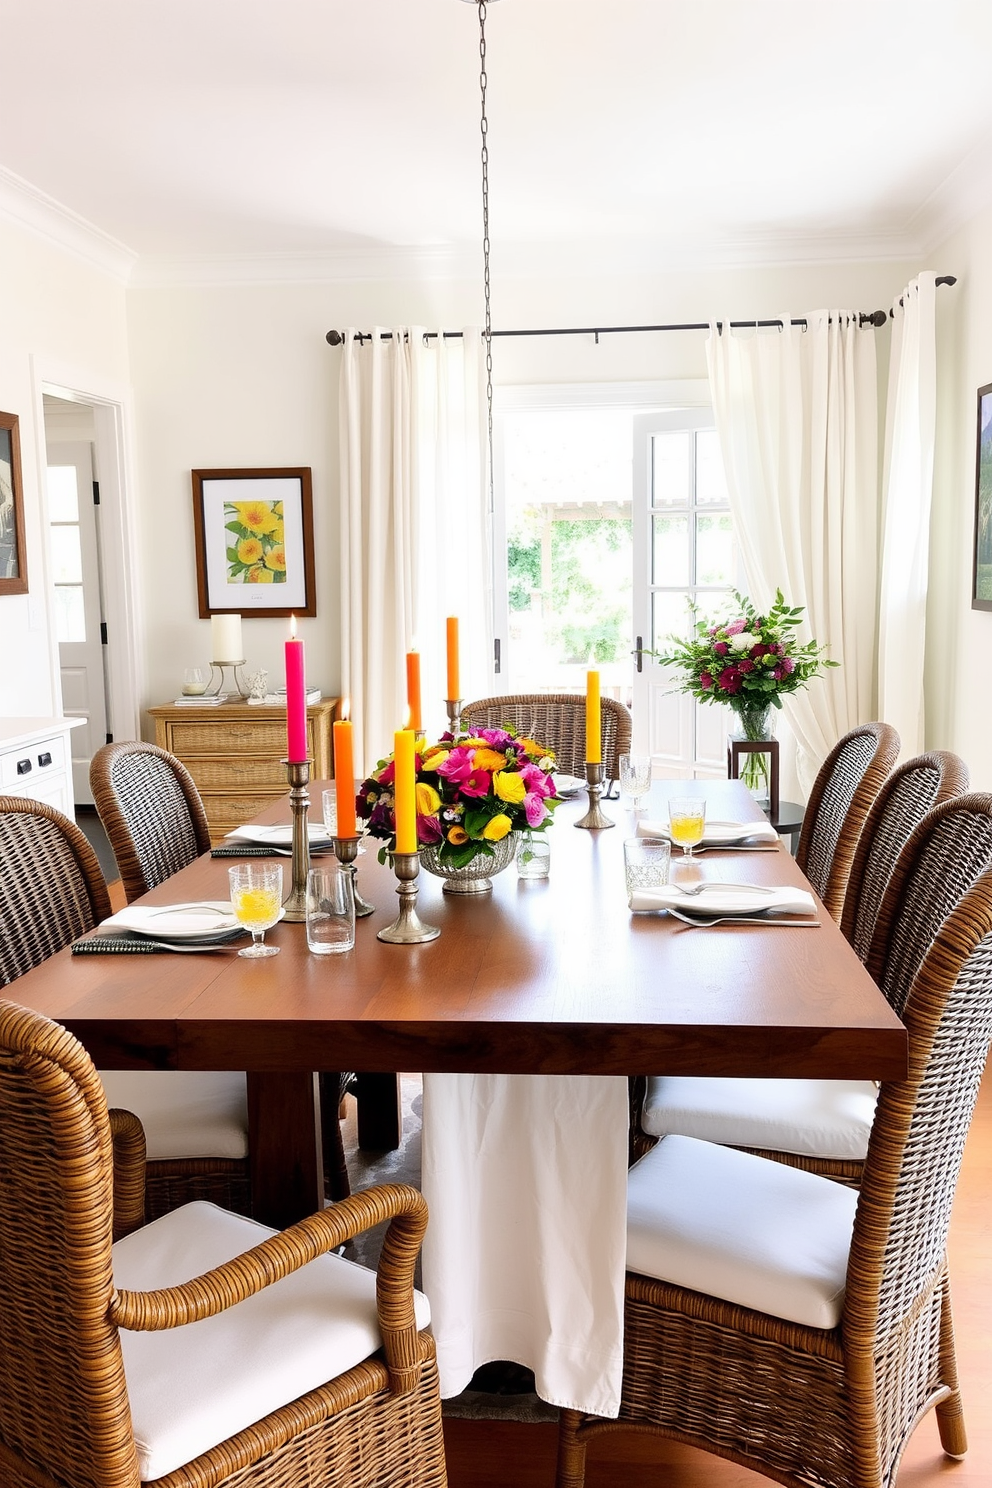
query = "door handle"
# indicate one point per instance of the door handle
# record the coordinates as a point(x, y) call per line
point(639, 652)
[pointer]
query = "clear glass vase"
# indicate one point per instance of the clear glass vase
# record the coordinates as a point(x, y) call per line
point(754, 722)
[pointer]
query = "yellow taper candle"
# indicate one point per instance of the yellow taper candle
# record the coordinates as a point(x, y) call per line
point(405, 788)
point(594, 745)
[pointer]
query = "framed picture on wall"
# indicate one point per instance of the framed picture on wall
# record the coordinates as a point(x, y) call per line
point(981, 596)
point(254, 542)
point(13, 558)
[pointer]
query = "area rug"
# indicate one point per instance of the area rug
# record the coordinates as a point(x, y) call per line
point(498, 1392)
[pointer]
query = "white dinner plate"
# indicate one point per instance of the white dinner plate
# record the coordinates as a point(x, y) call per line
point(568, 785)
point(200, 920)
point(278, 836)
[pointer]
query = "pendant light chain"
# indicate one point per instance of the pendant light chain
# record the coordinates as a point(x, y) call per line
point(484, 129)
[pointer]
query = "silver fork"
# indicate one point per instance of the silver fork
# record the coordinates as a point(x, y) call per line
point(698, 923)
point(712, 883)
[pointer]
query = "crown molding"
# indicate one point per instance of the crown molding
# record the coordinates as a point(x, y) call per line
point(335, 266)
point(963, 195)
point(27, 207)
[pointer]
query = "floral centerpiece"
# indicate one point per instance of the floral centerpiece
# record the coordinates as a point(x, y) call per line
point(472, 793)
point(748, 662)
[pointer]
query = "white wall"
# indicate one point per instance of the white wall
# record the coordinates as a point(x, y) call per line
point(959, 639)
point(241, 376)
point(60, 310)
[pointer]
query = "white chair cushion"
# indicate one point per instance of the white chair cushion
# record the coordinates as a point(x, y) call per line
point(740, 1227)
point(815, 1118)
point(185, 1113)
point(195, 1386)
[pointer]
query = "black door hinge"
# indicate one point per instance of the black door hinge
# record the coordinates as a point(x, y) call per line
point(96, 493)
point(103, 632)
point(110, 738)
point(496, 656)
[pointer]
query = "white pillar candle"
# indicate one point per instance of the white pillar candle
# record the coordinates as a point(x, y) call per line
point(225, 638)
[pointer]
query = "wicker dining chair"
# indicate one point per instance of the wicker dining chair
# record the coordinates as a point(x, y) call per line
point(52, 891)
point(303, 1368)
point(156, 824)
point(843, 793)
point(820, 1125)
point(784, 1322)
point(557, 720)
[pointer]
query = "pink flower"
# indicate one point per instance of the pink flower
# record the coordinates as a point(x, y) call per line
point(535, 780)
point(721, 648)
point(730, 679)
point(388, 775)
point(778, 673)
point(788, 665)
point(429, 829)
point(535, 808)
point(735, 627)
point(705, 679)
point(745, 666)
point(760, 650)
point(458, 765)
point(477, 784)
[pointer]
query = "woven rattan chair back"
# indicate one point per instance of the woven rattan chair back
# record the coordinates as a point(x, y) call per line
point(905, 798)
point(64, 1414)
point(51, 886)
point(842, 796)
point(557, 720)
point(151, 811)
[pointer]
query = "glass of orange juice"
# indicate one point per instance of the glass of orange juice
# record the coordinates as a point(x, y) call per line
point(256, 899)
point(686, 820)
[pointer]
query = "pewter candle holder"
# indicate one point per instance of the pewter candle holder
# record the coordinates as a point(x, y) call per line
point(408, 928)
point(214, 689)
point(298, 773)
point(454, 707)
point(346, 851)
point(594, 818)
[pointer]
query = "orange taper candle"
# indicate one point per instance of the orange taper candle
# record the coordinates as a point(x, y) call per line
point(413, 690)
point(344, 778)
point(405, 791)
point(453, 679)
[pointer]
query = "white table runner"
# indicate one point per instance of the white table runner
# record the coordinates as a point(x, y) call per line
point(526, 1180)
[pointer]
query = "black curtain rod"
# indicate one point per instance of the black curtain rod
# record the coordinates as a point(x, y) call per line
point(866, 317)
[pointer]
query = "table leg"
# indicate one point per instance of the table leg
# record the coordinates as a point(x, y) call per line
point(379, 1112)
point(286, 1153)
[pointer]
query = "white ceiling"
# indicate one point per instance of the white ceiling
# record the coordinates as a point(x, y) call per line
point(697, 130)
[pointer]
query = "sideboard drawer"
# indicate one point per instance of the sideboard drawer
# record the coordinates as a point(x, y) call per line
point(237, 772)
point(26, 765)
point(222, 737)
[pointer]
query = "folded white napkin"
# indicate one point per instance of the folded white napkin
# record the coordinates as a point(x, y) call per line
point(716, 833)
point(175, 921)
point(278, 836)
point(718, 898)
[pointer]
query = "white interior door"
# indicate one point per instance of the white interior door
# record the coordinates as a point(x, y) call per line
point(74, 540)
point(684, 550)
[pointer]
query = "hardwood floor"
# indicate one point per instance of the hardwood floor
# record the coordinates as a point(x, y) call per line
point(483, 1454)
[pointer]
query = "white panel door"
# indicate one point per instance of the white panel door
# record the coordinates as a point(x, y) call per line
point(684, 550)
point(73, 539)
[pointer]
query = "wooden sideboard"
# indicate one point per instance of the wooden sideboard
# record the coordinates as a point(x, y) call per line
point(35, 760)
point(234, 752)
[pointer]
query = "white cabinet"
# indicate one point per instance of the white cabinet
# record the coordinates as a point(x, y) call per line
point(34, 760)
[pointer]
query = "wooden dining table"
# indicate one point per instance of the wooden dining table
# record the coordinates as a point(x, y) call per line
point(554, 976)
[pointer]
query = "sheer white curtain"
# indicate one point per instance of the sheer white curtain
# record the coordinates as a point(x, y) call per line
point(910, 428)
point(797, 417)
point(414, 525)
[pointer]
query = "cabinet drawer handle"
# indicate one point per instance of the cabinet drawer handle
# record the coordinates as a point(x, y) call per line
point(44, 759)
point(24, 767)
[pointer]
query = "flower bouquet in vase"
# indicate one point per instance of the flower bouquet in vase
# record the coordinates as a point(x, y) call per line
point(748, 663)
point(475, 794)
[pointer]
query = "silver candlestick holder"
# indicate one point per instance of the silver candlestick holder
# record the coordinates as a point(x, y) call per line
point(454, 707)
point(218, 669)
point(594, 818)
point(298, 773)
point(346, 851)
point(408, 928)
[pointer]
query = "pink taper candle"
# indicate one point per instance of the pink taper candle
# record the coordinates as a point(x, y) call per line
point(296, 700)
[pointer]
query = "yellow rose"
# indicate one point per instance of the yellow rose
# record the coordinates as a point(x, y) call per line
point(433, 758)
point(458, 835)
point(510, 788)
point(249, 550)
point(495, 829)
point(428, 799)
point(276, 558)
point(474, 744)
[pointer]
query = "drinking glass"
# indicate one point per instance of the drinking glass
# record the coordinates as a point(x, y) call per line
point(533, 855)
point(635, 776)
point(686, 820)
point(256, 898)
point(645, 862)
point(194, 682)
point(330, 906)
point(329, 800)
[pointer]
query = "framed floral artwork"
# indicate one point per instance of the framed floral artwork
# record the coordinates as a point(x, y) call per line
point(254, 542)
point(13, 558)
point(981, 591)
